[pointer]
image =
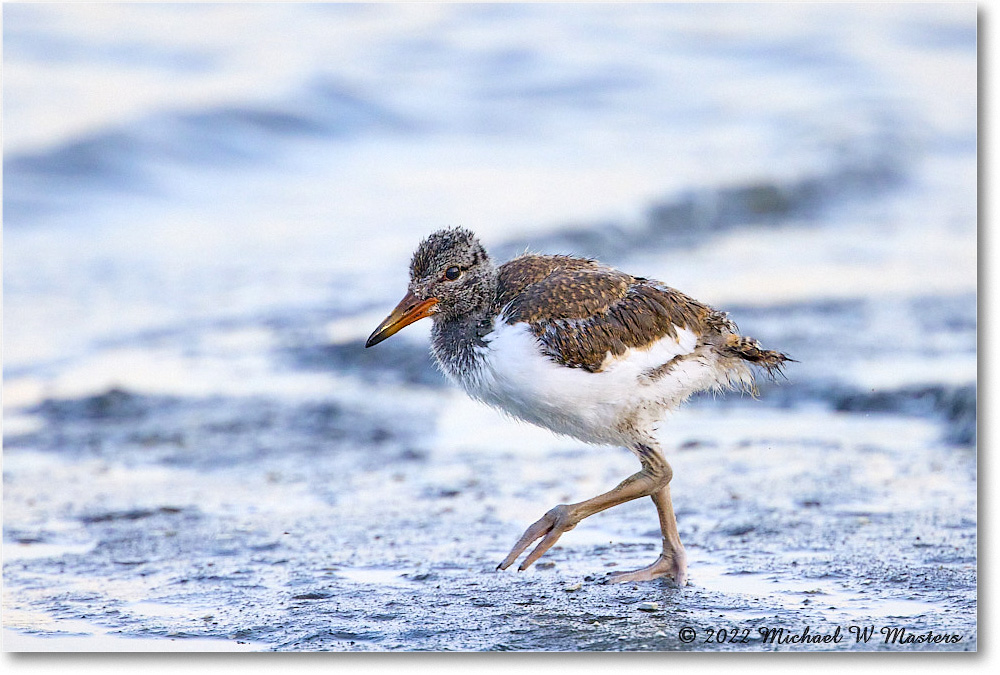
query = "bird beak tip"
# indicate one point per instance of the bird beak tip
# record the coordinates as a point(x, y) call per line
point(409, 309)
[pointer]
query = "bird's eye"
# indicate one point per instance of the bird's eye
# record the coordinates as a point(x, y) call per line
point(452, 273)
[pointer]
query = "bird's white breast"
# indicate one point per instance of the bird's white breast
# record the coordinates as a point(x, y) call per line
point(617, 405)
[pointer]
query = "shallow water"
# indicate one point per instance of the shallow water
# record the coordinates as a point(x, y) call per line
point(200, 454)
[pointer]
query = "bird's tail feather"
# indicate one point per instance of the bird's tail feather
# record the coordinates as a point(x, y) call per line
point(748, 349)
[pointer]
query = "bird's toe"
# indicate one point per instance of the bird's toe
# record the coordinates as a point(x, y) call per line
point(667, 565)
point(548, 528)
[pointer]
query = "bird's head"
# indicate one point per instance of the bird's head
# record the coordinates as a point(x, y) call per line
point(451, 276)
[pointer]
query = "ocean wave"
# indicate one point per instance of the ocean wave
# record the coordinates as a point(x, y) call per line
point(127, 158)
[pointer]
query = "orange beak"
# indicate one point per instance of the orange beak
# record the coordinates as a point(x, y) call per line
point(410, 309)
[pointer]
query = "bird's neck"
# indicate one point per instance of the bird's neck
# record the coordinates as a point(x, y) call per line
point(454, 341)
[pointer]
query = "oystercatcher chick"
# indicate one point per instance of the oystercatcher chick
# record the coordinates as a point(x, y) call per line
point(583, 350)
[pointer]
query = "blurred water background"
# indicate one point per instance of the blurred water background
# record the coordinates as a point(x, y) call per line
point(207, 208)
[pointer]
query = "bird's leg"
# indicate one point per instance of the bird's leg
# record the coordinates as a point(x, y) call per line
point(672, 561)
point(650, 480)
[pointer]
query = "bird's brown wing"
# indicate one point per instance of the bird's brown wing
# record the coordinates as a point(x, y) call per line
point(581, 311)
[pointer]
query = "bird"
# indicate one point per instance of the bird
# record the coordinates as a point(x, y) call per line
point(584, 350)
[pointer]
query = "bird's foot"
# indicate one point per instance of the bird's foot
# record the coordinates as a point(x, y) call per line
point(672, 563)
point(548, 528)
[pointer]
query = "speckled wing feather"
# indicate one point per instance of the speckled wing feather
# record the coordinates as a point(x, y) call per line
point(581, 310)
